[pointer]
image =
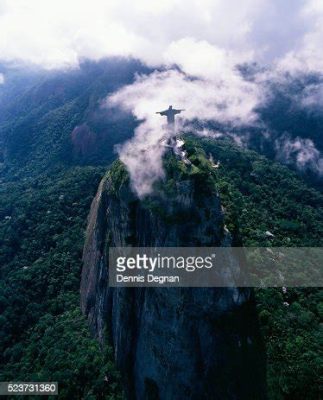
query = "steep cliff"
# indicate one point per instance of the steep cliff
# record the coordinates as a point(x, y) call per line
point(170, 343)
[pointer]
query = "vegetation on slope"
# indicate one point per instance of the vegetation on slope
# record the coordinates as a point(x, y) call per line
point(259, 195)
point(43, 335)
point(46, 188)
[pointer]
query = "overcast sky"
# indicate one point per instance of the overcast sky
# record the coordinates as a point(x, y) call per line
point(58, 33)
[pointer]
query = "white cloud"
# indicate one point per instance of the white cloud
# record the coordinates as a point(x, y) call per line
point(142, 156)
point(200, 58)
point(1, 79)
point(313, 96)
point(301, 152)
point(306, 56)
point(208, 99)
point(59, 33)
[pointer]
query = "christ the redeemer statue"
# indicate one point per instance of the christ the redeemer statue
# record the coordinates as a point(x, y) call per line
point(170, 114)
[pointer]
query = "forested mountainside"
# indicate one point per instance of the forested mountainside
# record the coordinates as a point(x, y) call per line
point(170, 343)
point(48, 180)
point(259, 195)
point(51, 117)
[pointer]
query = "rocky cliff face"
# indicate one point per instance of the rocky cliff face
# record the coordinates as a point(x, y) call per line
point(170, 343)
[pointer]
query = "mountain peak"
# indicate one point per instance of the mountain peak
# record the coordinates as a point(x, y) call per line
point(184, 209)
